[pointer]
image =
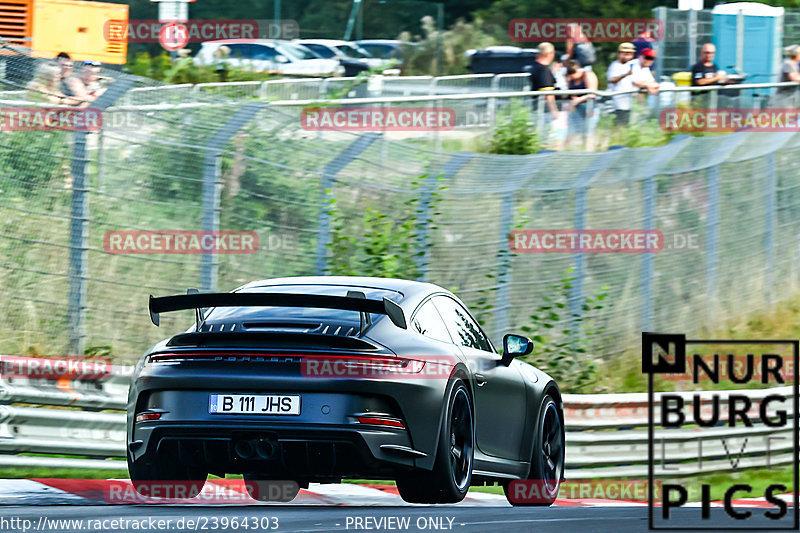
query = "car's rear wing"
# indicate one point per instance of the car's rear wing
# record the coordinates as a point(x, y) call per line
point(354, 301)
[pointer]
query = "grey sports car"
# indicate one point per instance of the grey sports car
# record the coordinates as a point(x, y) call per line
point(317, 379)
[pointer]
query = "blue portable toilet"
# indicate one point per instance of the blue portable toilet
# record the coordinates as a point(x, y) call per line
point(748, 39)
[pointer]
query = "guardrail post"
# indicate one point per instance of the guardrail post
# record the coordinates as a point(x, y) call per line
point(769, 234)
point(328, 181)
point(449, 169)
point(713, 100)
point(434, 84)
point(540, 117)
point(491, 108)
point(212, 185)
point(79, 223)
point(262, 90)
point(712, 231)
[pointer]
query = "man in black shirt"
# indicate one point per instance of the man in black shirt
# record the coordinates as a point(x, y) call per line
point(542, 78)
point(705, 71)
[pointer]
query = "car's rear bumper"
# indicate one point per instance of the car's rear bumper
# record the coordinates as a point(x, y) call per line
point(327, 425)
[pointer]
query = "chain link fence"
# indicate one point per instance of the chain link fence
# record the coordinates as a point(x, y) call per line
point(728, 206)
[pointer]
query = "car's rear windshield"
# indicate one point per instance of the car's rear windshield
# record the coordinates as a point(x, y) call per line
point(301, 314)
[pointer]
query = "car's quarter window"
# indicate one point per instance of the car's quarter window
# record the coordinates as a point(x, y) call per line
point(463, 329)
point(428, 322)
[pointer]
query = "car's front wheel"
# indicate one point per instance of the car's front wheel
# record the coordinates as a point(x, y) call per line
point(449, 480)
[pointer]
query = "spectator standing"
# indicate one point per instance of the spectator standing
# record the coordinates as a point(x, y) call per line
point(579, 48)
point(579, 78)
point(706, 72)
point(643, 41)
point(618, 71)
point(66, 67)
point(640, 77)
point(542, 78)
point(790, 71)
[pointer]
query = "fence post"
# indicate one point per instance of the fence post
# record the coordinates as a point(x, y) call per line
point(692, 42)
point(649, 209)
point(712, 229)
point(503, 264)
point(661, 15)
point(600, 163)
point(328, 180)
point(212, 185)
point(769, 234)
point(79, 224)
point(449, 169)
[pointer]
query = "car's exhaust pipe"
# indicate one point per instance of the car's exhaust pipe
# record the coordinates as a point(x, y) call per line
point(254, 449)
point(264, 448)
point(244, 449)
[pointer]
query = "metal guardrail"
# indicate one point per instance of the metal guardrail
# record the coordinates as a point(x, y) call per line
point(606, 433)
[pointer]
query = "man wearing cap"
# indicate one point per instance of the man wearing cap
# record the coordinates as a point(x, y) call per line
point(618, 71)
point(638, 77)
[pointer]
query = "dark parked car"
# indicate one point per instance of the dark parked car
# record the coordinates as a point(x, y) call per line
point(316, 379)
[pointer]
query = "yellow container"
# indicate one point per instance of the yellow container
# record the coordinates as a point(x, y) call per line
point(682, 78)
point(85, 30)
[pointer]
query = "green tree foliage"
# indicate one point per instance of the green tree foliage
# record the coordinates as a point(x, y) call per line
point(564, 353)
point(379, 245)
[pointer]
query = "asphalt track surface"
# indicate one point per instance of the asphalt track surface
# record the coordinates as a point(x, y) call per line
point(336, 518)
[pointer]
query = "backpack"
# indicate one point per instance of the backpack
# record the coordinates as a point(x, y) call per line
point(585, 54)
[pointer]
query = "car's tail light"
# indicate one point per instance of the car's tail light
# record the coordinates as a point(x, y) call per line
point(144, 417)
point(381, 421)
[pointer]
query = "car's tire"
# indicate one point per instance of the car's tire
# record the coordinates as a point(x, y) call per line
point(167, 475)
point(270, 490)
point(547, 463)
point(449, 480)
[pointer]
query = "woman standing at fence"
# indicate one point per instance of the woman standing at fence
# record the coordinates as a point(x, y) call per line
point(579, 78)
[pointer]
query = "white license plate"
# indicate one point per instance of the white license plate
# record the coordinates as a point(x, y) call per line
point(254, 404)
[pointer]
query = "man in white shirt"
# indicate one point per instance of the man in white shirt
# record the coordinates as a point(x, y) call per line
point(618, 71)
point(639, 76)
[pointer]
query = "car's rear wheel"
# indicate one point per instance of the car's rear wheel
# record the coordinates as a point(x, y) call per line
point(270, 490)
point(449, 480)
point(164, 476)
point(547, 464)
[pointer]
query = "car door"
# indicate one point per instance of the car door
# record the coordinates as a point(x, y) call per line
point(500, 395)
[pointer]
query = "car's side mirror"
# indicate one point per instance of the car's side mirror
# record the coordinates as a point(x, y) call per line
point(514, 346)
point(281, 58)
